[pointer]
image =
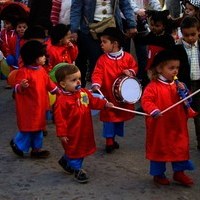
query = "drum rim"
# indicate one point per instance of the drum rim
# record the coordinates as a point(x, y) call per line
point(124, 77)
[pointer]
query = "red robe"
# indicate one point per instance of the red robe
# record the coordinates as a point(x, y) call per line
point(167, 136)
point(106, 71)
point(72, 113)
point(58, 54)
point(31, 102)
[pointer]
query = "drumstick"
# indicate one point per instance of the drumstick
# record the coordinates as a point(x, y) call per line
point(182, 100)
point(128, 110)
point(124, 109)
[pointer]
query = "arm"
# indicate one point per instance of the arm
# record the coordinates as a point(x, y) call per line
point(55, 11)
point(127, 11)
point(155, 5)
point(76, 15)
point(148, 101)
point(97, 75)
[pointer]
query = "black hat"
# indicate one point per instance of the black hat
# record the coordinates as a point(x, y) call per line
point(163, 56)
point(113, 32)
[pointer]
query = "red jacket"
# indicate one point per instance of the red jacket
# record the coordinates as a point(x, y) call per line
point(72, 114)
point(31, 102)
point(106, 71)
point(167, 138)
point(58, 54)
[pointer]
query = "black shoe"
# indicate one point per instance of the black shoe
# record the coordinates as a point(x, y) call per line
point(45, 133)
point(81, 176)
point(15, 149)
point(40, 154)
point(63, 163)
point(116, 145)
point(109, 148)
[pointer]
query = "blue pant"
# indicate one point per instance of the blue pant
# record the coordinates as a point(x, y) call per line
point(159, 168)
point(75, 164)
point(111, 129)
point(27, 140)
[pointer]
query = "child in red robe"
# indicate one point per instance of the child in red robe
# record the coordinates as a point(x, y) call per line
point(61, 48)
point(15, 43)
point(114, 63)
point(167, 138)
point(31, 92)
point(72, 114)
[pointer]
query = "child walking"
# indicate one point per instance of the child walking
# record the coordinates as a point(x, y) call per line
point(114, 63)
point(72, 114)
point(167, 138)
point(189, 73)
point(31, 92)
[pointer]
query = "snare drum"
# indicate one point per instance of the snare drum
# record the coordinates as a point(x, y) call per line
point(127, 89)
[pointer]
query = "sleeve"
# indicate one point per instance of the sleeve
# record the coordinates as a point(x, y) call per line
point(97, 75)
point(76, 14)
point(95, 102)
point(19, 77)
point(51, 86)
point(148, 100)
point(155, 5)
point(133, 65)
point(128, 13)
point(134, 6)
point(55, 11)
point(73, 52)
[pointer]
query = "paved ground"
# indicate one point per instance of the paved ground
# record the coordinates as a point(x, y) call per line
point(122, 175)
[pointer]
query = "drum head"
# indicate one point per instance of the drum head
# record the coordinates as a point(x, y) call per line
point(131, 90)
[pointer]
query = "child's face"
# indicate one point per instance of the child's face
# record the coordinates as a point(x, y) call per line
point(41, 60)
point(190, 35)
point(7, 25)
point(156, 27)
point(190, 9)
point(169, 69)
point(106, 45)
point(20, 29)
point(72, 82)
point(67, 39)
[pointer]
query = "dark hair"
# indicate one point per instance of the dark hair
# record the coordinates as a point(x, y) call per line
point(65, 70)
point(159, 16)
point(189, 22)
point(32, 50)
point(113, 34)
point(11, 18)
point(34, 32)
point(21, 21)
point(58, 32)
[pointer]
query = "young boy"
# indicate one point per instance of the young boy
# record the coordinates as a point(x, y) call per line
point(31, 92)
point(189, 73)
point(114, 63)
point(72, 114)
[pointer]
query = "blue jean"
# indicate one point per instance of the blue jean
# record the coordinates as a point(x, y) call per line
point(111, 129)
point(159, 168)
point(27, 140)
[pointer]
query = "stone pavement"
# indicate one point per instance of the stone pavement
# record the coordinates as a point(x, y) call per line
point(122, 175)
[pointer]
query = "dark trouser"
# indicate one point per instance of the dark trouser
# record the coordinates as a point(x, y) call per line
point(141, 53)
point(195, 85)
point(89, 52)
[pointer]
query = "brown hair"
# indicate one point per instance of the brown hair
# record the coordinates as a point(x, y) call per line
point(64, 71)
